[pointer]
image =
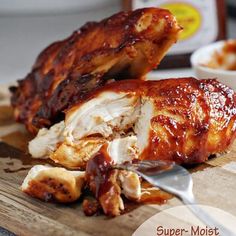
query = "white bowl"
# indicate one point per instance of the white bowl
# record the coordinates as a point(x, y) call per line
point(203, 56)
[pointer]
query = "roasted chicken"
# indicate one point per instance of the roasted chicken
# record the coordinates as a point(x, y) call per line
point(53, 183)
point(88, 117)
point(125, 45)
point(182, 120)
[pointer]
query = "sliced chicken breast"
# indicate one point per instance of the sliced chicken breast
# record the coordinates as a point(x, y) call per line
point(76, 155)
point(108, 114)
point(106, 118)
point(183, 120)
point(46, 141)
point(53, 183)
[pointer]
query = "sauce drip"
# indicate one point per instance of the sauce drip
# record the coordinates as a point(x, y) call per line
point(98, 171)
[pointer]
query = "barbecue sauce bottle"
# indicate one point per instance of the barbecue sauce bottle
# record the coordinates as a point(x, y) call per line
point(203, 22)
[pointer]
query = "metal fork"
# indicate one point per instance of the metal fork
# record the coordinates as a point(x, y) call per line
point(176, 180)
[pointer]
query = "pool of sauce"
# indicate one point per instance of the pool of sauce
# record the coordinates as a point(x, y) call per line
point(150, 195)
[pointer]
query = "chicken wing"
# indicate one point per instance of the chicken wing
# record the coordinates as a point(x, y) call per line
point(125, 45)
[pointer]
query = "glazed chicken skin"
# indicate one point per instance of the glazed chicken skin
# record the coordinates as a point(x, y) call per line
point(125, 45)
point(182, 120)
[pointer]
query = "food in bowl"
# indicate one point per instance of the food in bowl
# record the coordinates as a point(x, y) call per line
point(223, 58)
point(216, 60)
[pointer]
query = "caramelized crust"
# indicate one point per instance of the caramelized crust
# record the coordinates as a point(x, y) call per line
point(126, 45)
point(192, 120)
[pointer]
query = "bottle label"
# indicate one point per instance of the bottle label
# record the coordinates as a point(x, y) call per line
point(198, 18)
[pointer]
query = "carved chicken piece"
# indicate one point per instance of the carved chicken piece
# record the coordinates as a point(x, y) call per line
point(75, 156)
point(104, 118)
point(46, 141)
point(184, 120)
point(53, 184)
point(125, 45)
point(50, 143)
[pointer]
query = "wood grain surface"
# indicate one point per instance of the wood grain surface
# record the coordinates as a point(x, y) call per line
point(214, 185)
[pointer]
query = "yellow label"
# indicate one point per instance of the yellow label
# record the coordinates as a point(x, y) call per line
point(187, 16)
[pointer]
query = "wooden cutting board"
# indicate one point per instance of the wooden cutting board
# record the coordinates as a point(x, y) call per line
point(214, 185)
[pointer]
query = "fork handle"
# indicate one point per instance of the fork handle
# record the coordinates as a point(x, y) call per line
point(204, 216)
